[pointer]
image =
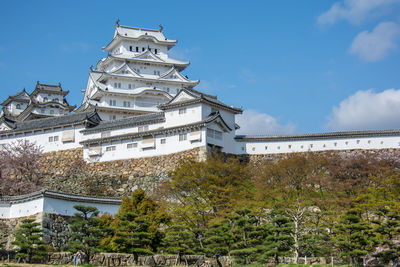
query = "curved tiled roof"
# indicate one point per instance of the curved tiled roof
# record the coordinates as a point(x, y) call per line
point(81, 117)
point(136, 34)
point(317, 136)
point(59, 195)
point(127, 122)
point(21, 96)
point(195, 125)
point(198, 98)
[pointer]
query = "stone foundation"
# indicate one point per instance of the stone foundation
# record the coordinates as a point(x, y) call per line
point(67, 172)
point(115, 259)
point(55, 229)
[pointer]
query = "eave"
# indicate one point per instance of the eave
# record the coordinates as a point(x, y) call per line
point(119, 38)
point(317, 136)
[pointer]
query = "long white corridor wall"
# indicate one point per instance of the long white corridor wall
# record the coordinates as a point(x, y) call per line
point(53, 202)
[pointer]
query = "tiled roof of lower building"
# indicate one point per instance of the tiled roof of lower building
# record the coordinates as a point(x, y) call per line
point(316, 136)
point(127, 122)
point(80, 117)
point(59, 195)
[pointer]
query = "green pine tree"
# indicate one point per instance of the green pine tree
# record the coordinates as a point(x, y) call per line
point(137, 226)
point(279, 241)
point(247, 235)
point(218, 239)
point(179, 240)
point(28, 240)
point(85, 235)
point(389, 229)
point(353, 237)
point(132, 235)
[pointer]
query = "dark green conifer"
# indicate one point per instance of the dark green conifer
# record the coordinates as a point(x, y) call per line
point(352, 237)
point(279, 240)
point(247, 235)
point(28, 240)
point(218, 239)
point(85, 234)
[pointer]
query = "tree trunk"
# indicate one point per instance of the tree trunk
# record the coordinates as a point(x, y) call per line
point(217, 260)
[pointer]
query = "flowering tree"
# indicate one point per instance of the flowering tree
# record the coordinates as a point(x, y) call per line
point(19, 168)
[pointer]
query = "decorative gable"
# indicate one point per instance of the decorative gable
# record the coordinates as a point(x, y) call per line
point(148, 55)
point(173, 74)
point(125, 69)
point(182, 96)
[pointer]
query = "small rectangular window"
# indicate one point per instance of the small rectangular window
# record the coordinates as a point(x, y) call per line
point(137, 49)
point(155, 51)
point(143, 49)
point(105, 134)
point(51, 138)
point(163, 141)
point(143, 128)
point(131, 145)
point(182, 137)
point(130, 48)
point(119, 85)
point(182, 110)
point(56, 138)
point(110, 148)
point(129, 86)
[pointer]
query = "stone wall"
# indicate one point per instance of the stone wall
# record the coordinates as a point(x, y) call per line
point(115, 259)
point(260, 159)
point(66, 171)
point(55, 229)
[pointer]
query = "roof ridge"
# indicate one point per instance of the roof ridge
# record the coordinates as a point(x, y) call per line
point(137, 28)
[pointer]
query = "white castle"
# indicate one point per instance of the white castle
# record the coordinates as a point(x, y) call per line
point(138, 104)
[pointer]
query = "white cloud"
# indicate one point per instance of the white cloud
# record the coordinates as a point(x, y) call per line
point(367, 110)
point(355, 11)
point(252, 122)
point(377, 44)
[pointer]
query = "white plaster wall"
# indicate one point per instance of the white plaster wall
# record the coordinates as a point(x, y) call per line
point(133, 129)
point(12, 108)
point(26, 208)
point(4, 210)
point(172, 145)
point(66, 207)
point(50, 97)
point(123, 47)
point(193, 114)
point(50, 205)
point(41, 138)
point(273, 147)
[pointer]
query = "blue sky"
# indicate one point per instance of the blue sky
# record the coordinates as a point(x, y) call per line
point(294, 66)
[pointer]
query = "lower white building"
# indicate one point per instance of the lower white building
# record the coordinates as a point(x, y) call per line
point(189, 120)
point(52, 202)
